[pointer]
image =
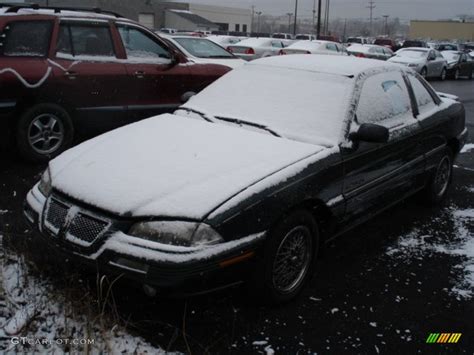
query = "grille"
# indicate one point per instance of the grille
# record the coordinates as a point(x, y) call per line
point(87, 228)
point(57, 213)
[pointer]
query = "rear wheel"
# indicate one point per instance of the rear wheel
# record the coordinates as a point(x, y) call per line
point(438, 186)
point(43, 132)
point(471, 74)
point(290, 250)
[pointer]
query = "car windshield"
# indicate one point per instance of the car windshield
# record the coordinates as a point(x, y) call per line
point(203, 48)
point(414, 54)
point(451, 56)
point(295, 104)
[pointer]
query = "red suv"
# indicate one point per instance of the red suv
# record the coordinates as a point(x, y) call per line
point(65, 71)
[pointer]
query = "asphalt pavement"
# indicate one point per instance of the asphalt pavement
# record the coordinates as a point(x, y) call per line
point(373, 292)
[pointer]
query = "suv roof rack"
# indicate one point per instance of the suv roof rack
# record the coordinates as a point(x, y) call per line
point(14, 8)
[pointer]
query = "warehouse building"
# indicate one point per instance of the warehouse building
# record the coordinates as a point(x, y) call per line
point(442, 30)
point(156, 14)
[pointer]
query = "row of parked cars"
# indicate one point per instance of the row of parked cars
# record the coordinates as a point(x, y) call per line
point(242, 183)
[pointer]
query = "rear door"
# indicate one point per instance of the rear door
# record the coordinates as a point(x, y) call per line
point(89, 78)
point(156, 81)
point(377, 174)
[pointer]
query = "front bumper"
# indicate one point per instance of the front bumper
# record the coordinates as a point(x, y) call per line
point(171, 270)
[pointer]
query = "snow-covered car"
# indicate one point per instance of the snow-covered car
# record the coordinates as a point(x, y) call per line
point(315, 47)
point(427, 62)
point(371, 51)
point(459, 64)
point(305, 37)
point(224, 41)
point(219, 193)
point(254, 48)
point(203, 51)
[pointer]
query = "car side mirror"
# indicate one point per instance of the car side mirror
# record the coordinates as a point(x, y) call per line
point(371, 133)
point(187, 96)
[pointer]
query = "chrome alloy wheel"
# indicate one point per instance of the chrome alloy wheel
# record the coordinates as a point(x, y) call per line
point(442, 177)
point(46, 133)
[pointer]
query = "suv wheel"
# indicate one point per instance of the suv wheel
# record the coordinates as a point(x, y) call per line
point(290, 250)
point(43, 132)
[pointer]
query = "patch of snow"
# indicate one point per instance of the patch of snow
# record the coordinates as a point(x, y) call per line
point(4, 212)
point(467, 148)
point(373, 324)
point(334, 310)
point(260, 342)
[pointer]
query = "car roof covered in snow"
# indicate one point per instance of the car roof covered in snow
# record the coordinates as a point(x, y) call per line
point(338, 65)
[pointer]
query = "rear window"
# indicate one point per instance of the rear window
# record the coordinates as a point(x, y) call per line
point(26, 39)
point(203, 48)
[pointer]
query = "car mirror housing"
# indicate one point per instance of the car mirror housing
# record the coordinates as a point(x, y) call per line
point(371, 133)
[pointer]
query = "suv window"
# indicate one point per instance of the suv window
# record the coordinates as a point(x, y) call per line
point(26, 39)
point(139, 44)
point(423, 97)
point(384, 97)
point(85, 40)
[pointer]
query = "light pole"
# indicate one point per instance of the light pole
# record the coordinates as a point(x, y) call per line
point(289, 14)
point(296, 17)
point(259, 13)
point(318, 29)
point(386, 24)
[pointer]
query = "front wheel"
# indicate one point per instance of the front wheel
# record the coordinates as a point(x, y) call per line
point(438, 185)
point(442, 77)
point(43, 132)
point(289, 253)
point(456, 74)
point(424, 72)
point(471, 74)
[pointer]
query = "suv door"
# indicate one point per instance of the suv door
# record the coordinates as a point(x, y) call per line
point(88, 76)
point(157, 82)
point(378, 174)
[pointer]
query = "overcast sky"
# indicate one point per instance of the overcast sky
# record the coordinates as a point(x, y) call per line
point(405, 9)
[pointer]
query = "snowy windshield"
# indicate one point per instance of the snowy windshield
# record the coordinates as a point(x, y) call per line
point(413, 53)
point(203, 48)
point(296, 104)
point(451, 56)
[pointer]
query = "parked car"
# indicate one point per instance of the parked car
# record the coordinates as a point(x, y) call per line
point(315, 47)
point(224, 41)
point(357, 40)
point(386, 42)
point(329, 38)
point(219, 193)
point(282, 36)
point(370, 51)
point(168, 30)
point(253, 48)
point(81, 71)
point(448, 47)
point(459, 64)
point(305, 37)
point(428, 62)
point(414, 43)
point(204, 51)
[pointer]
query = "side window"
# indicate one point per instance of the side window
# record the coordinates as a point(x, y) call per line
point(423, 97)
point(277, 44)
point(140, 45)
point(79, 39)
point(26, 39)
point(384, 97)
point(331, 47)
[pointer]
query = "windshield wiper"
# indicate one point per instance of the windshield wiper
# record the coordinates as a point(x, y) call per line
point(247, 123)
point(197, 112)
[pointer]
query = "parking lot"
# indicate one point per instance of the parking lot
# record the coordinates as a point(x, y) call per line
point(386, 285)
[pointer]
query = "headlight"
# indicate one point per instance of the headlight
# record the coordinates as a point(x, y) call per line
point(45, 185)
point(188, 234)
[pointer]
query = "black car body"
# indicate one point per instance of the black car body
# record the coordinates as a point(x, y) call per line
point(260, 197)
point(460, 64)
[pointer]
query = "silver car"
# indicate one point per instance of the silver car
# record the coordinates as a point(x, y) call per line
point(428, 62)
point(253, 48)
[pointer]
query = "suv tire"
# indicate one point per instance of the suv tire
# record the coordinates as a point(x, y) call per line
point(43, 132)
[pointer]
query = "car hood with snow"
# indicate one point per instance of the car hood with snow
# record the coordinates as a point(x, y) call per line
point(172, 166)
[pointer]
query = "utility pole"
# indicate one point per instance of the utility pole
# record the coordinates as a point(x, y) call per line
point(386, 24)
point(345, 30)
point(289, 14)
point(253, 21)
point(371, 8)
point(296, 18)
point(318, 29)
point(314, 16)
point(326, 17)
point(258, 13)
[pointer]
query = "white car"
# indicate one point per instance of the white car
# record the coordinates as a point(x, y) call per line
point(202, 50)
point(253, 48)
point(224, 41)
point(315, 47)
point(305, 37)
point(371, 51)
point(426, 61)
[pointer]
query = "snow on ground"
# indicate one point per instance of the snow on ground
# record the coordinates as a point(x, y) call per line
point(468, 148)
point(417, 243)
point(37, 317)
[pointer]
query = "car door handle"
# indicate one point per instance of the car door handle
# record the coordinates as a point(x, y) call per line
point(71, 74)
point(140, 74)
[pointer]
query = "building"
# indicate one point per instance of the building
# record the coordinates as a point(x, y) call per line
point(442, 30)
point(156, 14)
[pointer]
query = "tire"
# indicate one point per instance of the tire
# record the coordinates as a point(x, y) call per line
point(424, 72)
point(293, 242)
point(443, 75)
point(456, 74)
point(438, 185)
point(43, 132)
